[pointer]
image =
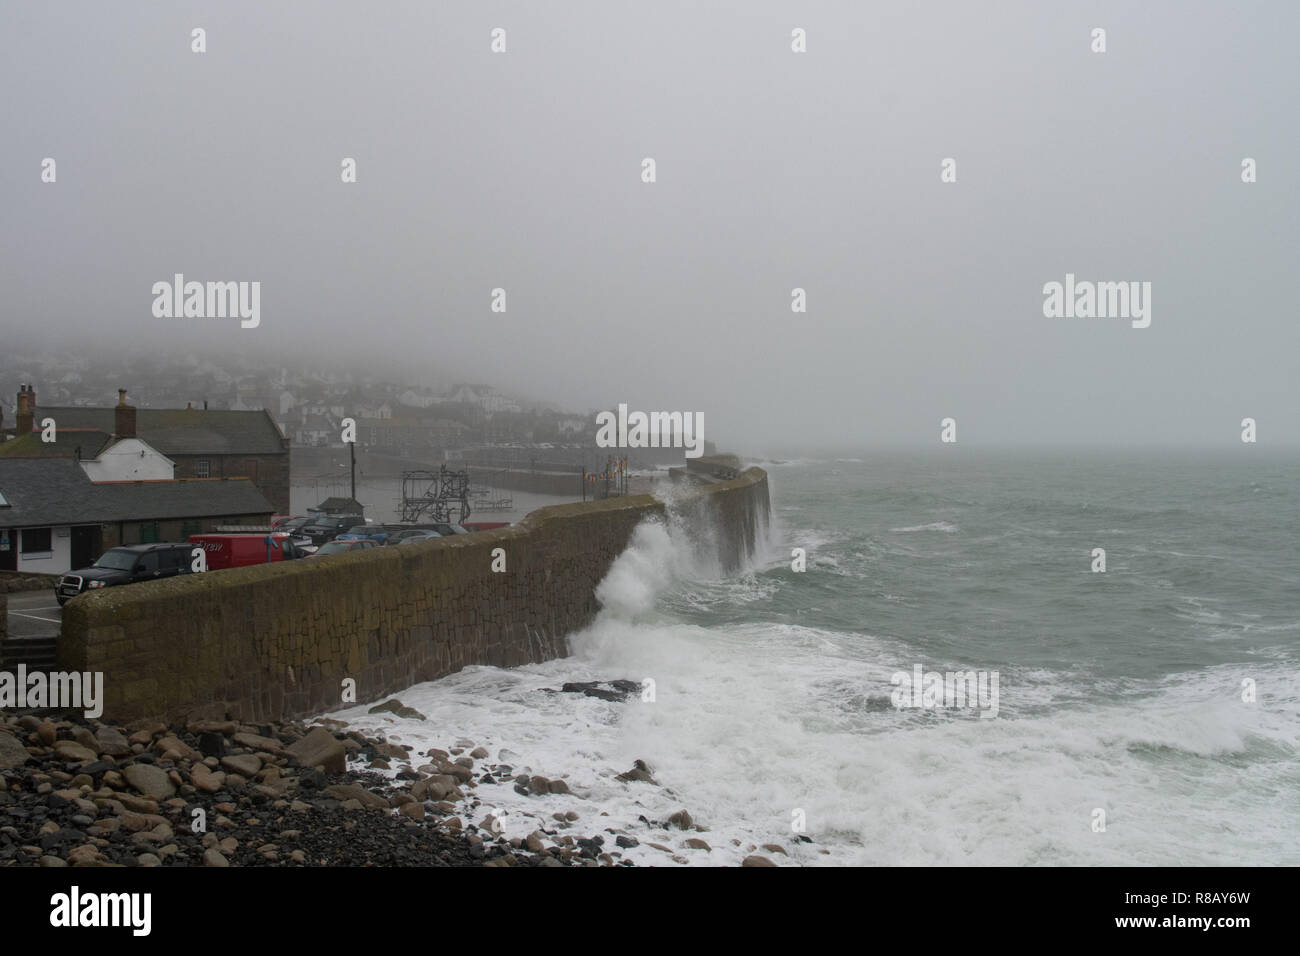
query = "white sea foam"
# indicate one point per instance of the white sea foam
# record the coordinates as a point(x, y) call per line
point(753, 721)
point(945, 526)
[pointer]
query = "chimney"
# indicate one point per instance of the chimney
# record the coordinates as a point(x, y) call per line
point(26, 411)
point(123, 417)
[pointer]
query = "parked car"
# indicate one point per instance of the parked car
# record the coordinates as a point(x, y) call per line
point(240, 550)
point(413, 534)
point(446, 530)
point(125, 565)
point(328, 527)
point(343, 547)
point(371, 532)
point(485, 525)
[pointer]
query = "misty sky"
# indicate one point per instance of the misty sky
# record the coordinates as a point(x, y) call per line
point(775, 170)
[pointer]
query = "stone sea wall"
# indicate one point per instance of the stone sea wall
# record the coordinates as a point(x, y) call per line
point(278, 641)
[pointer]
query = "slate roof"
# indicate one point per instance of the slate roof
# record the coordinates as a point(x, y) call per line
point(66, 442)
point(56, 491)
point(180, 431)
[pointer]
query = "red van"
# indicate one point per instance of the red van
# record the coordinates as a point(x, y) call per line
point(240, 550)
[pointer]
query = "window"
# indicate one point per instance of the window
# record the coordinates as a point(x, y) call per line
point(148, 562)
point(203, 468)
point(36, 541)
point(148, 532)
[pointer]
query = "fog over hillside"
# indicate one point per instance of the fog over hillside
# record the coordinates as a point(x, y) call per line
point(775, 171)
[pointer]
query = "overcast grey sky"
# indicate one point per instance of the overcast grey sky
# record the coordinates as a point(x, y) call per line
point(775, 170)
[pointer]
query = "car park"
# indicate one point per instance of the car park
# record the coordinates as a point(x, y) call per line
point(413, 534)
point(343, 547)
point(126, 565)
point(223, 551)
point(328, 527)
point(446, 530)
point(370, 532)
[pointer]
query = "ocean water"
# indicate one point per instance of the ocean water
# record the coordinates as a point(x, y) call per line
point(1123, 693)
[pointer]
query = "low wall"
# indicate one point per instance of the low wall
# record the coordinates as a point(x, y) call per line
point(713, 465)
point(278, 641)
point(534, 482)
point(28, 581)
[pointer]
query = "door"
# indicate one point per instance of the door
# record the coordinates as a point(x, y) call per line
point(8, 550)
point(86, 545)
point(147, 567)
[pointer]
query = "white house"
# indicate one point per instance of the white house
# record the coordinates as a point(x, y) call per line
point(317, 430)
point(129, 459)
point(416, 399)
point(484, 396)
point(575, 424)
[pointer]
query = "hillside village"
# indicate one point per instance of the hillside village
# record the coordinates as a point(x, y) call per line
point(308, 403)
point(109, 453)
